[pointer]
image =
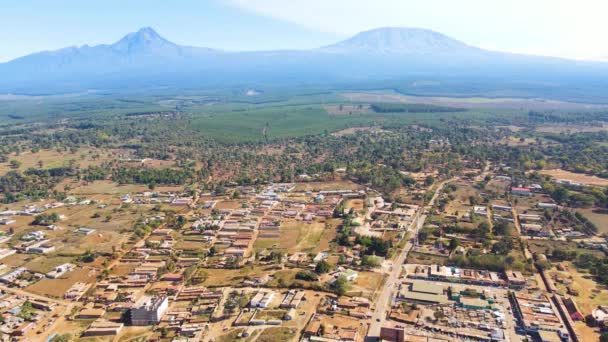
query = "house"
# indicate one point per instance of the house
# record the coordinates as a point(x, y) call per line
point(546, 205)
point(102, 327)
point(521, 191)
point(599, 317)
point(12, 276)
point(261, 299)
point(573, 311)
point(182, 201)
point(84, 231)
point(350, 275)
point(90, 313)
point(148, 310)
point(234, 252)
point(4, 252)
point(42, 247)
point(58, 271)
point(515, 279)
point(33, 236)
point(76, 291)
point(7, 221)
point(392, 334)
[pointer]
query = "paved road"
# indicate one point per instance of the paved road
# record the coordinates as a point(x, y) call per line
point(384, 299)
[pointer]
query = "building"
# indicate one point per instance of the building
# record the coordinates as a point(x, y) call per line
point(392, 334)
point(262, 299)
point(148, 310)
point(41, 247)
point(102, 327)
point(84, 231)
point(573, 311)
point(515, 279)
point(76, 291)
point(7, 221)
point(58, 271)
point(4, 252)
point(182, 201)
point(521, 191)
point(599, 316)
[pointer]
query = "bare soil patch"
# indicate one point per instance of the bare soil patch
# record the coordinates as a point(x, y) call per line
point(576, 177)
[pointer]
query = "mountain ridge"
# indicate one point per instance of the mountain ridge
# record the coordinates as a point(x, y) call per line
point(146, 59)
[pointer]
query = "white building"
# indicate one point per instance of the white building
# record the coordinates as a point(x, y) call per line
point(262, 299)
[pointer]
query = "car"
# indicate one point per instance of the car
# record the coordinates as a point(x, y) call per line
point(377, 319)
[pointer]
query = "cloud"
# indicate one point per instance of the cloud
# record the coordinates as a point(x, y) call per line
point(564, 28)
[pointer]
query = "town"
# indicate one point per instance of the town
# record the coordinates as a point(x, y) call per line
point(321, 258)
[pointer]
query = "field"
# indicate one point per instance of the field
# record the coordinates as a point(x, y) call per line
point(297, 236)
point(576, 177)
point(274, 122)
point(591, 295)
point(326, 186)
point(461, 203)
point(600, 220)
point(572, 128)
point(277, 334)
point(464, 102)
point(57, 287)
point(83, 157)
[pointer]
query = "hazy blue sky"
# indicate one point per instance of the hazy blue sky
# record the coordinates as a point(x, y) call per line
point(567, 28)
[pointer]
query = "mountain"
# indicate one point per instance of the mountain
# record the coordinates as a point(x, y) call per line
point(399, 41)
point(413, 60)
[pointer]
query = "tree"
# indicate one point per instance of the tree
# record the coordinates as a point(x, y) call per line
point(454, 243)
point(370, 261)
point(63, 338)
point(340, 286)
point(15, 164)
point(322, 267)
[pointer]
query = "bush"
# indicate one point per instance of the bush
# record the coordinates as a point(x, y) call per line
point(307, 276)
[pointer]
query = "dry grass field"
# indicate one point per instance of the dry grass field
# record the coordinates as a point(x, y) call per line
point(326, 186)
point(461, 202)
point(228, 205)
point(366, 284)
point(465, 102)
point(600, 220)
point(57, 287)
point(599, 127)
point(83, 157)
point(300, 237)
point(353, 130)
point(576, 177)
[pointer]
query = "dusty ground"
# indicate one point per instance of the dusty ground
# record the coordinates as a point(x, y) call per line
point(57, 287)
point(319, 186)
point(600, 220)
point(572, 128)
point(576, 177)
point(353, 130)
point(467, 102)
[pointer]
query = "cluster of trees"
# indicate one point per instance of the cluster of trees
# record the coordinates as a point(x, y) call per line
point(412, 108)
point(45, 219)
point(595, 264)
point(125, 175)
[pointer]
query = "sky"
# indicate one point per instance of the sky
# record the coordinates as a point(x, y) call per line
point(562, 28)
